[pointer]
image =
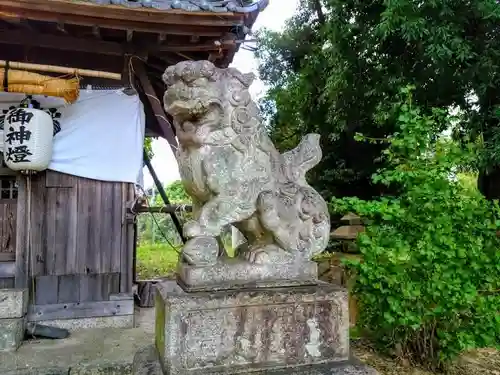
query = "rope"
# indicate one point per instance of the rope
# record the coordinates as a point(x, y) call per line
point(157, 224)
point(6, 77)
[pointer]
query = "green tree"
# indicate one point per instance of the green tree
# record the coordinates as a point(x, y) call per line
point(428, 284)
point(176, 194)
point(339, 62)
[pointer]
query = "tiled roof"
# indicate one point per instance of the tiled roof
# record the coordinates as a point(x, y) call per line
point(218, 6)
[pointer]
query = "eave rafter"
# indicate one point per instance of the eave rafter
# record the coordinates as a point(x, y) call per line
point(100, 46)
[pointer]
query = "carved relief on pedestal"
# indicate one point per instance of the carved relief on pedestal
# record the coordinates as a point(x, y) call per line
point(235, 175)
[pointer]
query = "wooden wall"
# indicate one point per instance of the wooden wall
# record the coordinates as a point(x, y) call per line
point(8, 214)
point(81, 239)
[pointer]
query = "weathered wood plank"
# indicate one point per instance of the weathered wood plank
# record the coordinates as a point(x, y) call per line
point(180, 18)
point(7, 283)
point(39, 226)
point(3, 221)
point(61, 231)
point(116, 226)
point(123, 252)
point(99, 238)
point(8, 208)
point(7, 172)
point(21, 277)
point(9, 227)
point(134, 254)
point(78, 232)
point(72, 266)
point(78, 310)
point(46, 290)
point(126, 270)
point(121, 296)
point(131, 237)
point(110, 285)
point(3, 225)
point(7, 257)
point(90, 288)
point(84, 201)
point(95, 229)
point(106, 220)
point(98, 287)
point(69, 288)
point(187, 29)
point(53, 214)
point(155, 104)
point(55, 179)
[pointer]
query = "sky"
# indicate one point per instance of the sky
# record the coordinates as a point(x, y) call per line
point(274, 18)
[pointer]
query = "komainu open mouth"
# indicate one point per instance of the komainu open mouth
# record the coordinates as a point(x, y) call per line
point(180, 108)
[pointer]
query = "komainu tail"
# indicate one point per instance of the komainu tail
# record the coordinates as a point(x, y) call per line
point(302, 158)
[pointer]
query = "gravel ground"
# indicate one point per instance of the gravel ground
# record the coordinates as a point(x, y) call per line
point(384, 365)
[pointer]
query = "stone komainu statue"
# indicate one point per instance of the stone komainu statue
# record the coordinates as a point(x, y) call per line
point(235, 175)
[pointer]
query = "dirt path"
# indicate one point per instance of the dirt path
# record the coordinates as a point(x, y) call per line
point(384, 365)
point(476, 362)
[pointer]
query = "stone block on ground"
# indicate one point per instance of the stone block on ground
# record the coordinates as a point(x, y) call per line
point(38, 371)
point(78, 324)
point(104, 368)
point(266, 328)
point(11, 333)
point(146, 362)
point(13, 303)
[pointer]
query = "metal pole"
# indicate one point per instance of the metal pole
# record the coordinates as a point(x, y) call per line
point(152, 220)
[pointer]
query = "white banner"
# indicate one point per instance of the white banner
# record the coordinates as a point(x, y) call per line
point(99, 137)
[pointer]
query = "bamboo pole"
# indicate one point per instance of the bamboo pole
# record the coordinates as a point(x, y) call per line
point(62, 70)
point(169, 209)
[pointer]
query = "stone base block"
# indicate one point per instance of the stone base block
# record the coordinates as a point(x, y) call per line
point(72, 325)
point(236, 274)
point(11, 333)
point(13, 303)
point(260, 329)
point(146, 362)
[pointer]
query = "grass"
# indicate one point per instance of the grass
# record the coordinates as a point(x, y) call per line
point(156, 260)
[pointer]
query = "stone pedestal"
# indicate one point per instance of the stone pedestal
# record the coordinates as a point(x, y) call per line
point(261, 330)
point(228, 274)
point(146, 362)
point(13, 308)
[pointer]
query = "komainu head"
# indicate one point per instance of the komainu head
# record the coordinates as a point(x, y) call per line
point(204, 99)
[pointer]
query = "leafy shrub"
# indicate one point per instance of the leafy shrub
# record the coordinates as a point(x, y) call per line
point(429, 281)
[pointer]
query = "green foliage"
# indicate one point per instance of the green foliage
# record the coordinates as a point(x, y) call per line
point(159, 228)
point(176, 194)
point(338, 62)
point(428, 284)
point(156, 260)
point(159, 241)
point(148, 147)
point(469, 182)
